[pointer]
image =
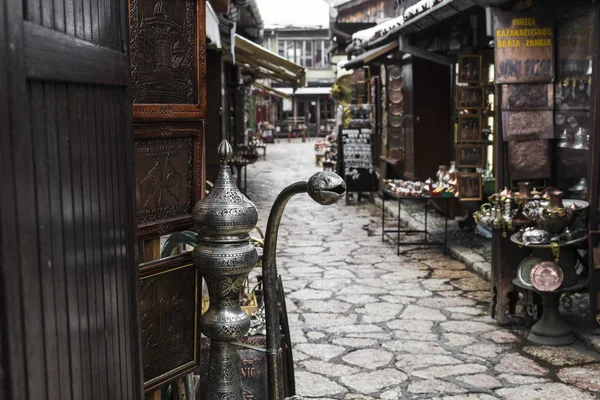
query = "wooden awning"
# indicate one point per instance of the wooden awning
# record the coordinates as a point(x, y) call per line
point(266, 64)
point(272, 91)
point(370, 55)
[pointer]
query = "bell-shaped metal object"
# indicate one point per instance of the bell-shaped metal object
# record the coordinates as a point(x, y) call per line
point(224, 256)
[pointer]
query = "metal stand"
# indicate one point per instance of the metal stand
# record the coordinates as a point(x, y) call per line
point(398, 231)
point(551, 329)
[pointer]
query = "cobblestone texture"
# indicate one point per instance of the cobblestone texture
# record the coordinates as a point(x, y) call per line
point(367, 324)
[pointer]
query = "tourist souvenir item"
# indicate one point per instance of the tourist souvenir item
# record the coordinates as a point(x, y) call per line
point(546, 276)
point(524, 270)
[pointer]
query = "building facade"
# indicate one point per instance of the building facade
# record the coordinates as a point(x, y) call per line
point(309, 109)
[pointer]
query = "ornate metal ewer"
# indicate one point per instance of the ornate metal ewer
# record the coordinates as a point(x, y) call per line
point(225, 257)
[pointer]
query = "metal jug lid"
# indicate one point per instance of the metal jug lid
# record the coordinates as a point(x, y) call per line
point(225, 210)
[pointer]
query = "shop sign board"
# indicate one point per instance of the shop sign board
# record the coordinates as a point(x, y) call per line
point(358, 159)
point(524, 47)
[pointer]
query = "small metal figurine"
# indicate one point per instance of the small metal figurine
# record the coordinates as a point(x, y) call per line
point(225, 256)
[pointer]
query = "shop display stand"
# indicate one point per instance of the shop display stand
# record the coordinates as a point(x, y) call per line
point(551, 329)
point(425, 232)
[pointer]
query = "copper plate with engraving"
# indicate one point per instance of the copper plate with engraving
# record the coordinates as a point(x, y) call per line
point(396, 96)
point(396, 84)
point(524, 270)
point(170, 311)
point(397, 109)
point(168, 48)
point(169, 178)
point(547, 276)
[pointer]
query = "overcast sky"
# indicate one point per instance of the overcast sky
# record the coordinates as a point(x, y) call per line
point(294, 12)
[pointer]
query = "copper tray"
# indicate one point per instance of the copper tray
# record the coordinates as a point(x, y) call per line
point(396, 96)
point(547, 276)
point(397, 109)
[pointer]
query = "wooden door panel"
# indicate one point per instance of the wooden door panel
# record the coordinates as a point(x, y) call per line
point(69, 282)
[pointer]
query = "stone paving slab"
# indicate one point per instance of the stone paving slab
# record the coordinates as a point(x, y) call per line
point(367, 324)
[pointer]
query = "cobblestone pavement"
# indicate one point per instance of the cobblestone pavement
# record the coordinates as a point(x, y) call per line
point(366, 323)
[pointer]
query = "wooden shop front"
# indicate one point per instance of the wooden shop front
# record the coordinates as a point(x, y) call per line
point(547, 108)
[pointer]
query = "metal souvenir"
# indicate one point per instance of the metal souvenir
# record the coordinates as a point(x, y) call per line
point(396, 109)
point(396, 96)
point(383, 74)
point(396, 85)
point(524, 270)
point(224, 256)
point(535, 236)
point(546, 276)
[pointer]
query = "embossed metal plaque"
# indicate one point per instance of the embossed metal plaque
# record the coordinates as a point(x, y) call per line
point(169, 309)
point(169, 175)
point(527, 125)
point(528, 160)
point(527, 97)
point(168, 67)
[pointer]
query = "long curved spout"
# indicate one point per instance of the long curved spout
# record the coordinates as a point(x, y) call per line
point(325, 188)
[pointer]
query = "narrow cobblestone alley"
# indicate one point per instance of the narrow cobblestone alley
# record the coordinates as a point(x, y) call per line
point(369, 324)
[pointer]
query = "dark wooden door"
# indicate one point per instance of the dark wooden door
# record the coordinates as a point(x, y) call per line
point(68, 284)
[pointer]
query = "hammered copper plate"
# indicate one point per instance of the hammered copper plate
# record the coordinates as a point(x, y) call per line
point(546, 276)
point(396, 96)
point(396, 84)
point(397, 109)
point(524, 270)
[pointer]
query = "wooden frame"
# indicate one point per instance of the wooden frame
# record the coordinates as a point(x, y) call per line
point(194, 50)
point(170, 177)
point(170, 290)
point(463, 91)
point(470, 155)
point(470, 193)
point(464, 73)
point(462, 136)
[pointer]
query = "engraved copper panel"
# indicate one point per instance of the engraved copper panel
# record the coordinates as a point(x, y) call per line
point(168, 57)
point(527, 97)
point(527, 125)
point(169, 308)
point(528, 160)
point(169, 175)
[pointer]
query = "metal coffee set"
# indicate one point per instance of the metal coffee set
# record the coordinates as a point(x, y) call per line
point(548, 227)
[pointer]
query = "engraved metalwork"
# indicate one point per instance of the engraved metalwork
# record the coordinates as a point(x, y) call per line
point(224, 256)
point(169, 175)
point(163, 63)
point(325, 188)
point(169, 308)
point(168, 55)
point(546, 276)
